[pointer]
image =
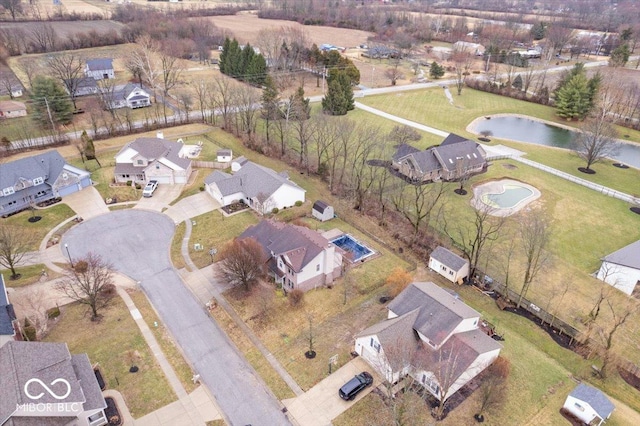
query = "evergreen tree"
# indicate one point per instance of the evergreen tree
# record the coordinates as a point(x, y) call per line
point(436, 71)
point(51, 102)
point(256, 72)
point(224, 56)
point(572, 100)
point(246, 58)
point(517, 82)
point(270, 98)
point(339, 98)
point(620, 56)
point(300, 105)
point(539, 31)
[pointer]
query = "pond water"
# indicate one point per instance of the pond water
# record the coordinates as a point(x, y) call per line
point(511, 196)
point(532, 131)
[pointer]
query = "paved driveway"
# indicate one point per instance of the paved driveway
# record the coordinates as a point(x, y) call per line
point(87, 203)
point(321, 404)
point(192, 206)
point(162, 196)
point(137, 243)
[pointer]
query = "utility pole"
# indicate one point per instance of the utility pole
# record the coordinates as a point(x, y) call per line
point(46, 102)
point(324, 72)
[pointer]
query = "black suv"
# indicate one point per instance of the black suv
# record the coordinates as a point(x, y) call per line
point(353, 387)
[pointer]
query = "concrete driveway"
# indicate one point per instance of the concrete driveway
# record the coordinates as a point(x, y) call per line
point(192, 206)
point(321, 404)
point(161, 198)
point(137, 243)
point(87, 203)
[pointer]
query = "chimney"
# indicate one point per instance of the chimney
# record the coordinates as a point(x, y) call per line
point(160, 135)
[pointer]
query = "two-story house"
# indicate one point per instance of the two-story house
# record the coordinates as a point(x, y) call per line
point(36, 179)
point(430, 335)
point(99, 69)
point(43, 384)
point(145, 159)
point(128, 96)
point(298, 257)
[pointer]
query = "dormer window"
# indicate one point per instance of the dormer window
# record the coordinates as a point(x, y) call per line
point(140, 162)
point(38, 181)
point(8, 191)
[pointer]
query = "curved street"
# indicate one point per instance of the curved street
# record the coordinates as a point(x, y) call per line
point(137, 243)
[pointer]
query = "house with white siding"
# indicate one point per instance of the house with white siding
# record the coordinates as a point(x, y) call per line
point(259, 187)
point(449, 265)
point(430, 335)
point(589, 405)
point(297, 257)
point(99, 69)
point(621, 269)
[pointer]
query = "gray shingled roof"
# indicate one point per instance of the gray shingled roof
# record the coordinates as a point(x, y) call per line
point(628, 256)
point(298, 243)
point(223, 152)
point(100, 64)
point(448, 258)
point(403, 150)
point(47, 165)
point(156, 148)
point(8, 106)
point(452, 138)
point(320, 206)
point(449, 154)
point(89, 382)
point(252, 179)
point(216, 176)
point(7, 314)
point(440, 312)
point(595, 398)
point(23, 361)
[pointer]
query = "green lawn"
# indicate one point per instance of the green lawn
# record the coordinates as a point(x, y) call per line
point(28, 275)
point(51, 217)
point(110, 343)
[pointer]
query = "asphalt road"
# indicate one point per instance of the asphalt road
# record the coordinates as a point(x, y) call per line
point(137, 243)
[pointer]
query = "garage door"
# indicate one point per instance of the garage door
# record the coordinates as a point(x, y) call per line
point(85, 182)
point(67, 190)
point(161, 179)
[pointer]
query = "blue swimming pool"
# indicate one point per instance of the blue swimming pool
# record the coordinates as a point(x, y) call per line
point(356, 249)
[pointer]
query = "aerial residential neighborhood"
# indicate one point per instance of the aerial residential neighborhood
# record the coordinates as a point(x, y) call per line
point(319, 213)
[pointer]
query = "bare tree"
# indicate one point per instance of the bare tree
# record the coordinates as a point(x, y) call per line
point(462, 60)
point(142, 59)
point(69, 68)
point(7, 82)
point(395, 72)
point(404, 134)
point(418, 203)
point(242, 262)
point(619, 318)
point(493, 389)
point(473, 234)
point(223, 97)
point(246, 100)
point(44, 37)
point(15, 243)
point(203, 90)
point(596, 141)
point(30, 69)
point(89, 282)
point(35, 310)
point(534, 237)
point(13, 6)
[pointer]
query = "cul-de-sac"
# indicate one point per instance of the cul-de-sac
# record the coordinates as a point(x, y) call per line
point(314, 213)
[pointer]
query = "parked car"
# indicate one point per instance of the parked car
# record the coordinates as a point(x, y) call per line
point(150, 188)
point(354, 386)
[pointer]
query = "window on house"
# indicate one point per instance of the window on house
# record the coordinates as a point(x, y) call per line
point(140, 162)
point(157, 166)
point(578, 406)
point(444, 268)
point(375, 345)
point(317, 267)
point(450, 272)
point(8, 191)
point(38, 181)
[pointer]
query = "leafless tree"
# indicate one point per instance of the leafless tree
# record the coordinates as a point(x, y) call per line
point(395, 72)
point(324, 137)
point(30, 69)
point(493, 388)
point(596, 140)
point(462, 61)
point(170, 66)
point(15, 243)
point(89, 282)
point(35, 310)
point(69, 68)
point(474, 233)
point(558, 35)
point(418, 204)
point(223, 98)
point(534, 236)
point(242, 262)
point(338, 153)
point(142, 59)
point(203, 90)
point(13, 6)
point(619, 315)
point(246, 100)
point(361, 176)
point(404, 134)
point(7, 82)
point(44, 37)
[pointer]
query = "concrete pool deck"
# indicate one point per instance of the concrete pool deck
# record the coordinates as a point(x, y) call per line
point(499, 187)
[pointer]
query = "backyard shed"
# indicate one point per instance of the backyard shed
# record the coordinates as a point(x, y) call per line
point(449, 265)
point(589, 405)
point(224, 155)
point(322, 211)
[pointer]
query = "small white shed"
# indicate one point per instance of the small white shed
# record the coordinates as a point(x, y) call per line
point(224, 155)
point(621, 269)
point(449, 265)
point(238, 163)
point(322, 211)
point(589, 405)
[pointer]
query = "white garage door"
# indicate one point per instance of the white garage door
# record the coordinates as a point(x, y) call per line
point(161, 179)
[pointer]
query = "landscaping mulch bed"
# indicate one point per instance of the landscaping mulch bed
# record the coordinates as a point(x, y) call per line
point(235, 207)
point(587, 171)
point(560, 338)
point(636, 210)
point(112, 412)
point(571, 418)
point(620, 165)
point(630, 378)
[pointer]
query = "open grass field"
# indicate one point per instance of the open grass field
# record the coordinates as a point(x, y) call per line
point(112, 343)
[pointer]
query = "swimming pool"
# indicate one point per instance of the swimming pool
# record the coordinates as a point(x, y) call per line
point(509, 198)
point(504, 197)
point(356, 249)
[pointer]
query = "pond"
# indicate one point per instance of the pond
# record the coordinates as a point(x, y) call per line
point(532, 131)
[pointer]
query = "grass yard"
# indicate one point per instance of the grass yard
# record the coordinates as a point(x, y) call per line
point(29, 275)
point(51, 217)
point(111, 343)
point(176, 246)
point(171, 351)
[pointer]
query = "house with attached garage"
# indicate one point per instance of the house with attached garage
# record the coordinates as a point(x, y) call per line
point(9, 326)
point(81, 86)
point(430, 335)
point(259, 187)
point(36, 179)
point(99, 69)
point(449, 265)
point(158, 159)
point(297, 257)
point(454, 158)
point(43, 384)
point(128, 96)
point(589, 405)
point(621, 269)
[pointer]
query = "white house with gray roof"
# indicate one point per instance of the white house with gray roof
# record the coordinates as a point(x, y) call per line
point(297, 257)
point(449, 265)
point(259, 187)
point(99, 69)
point(145, 159)
point(621, 269)
point(128, 96)
point(454, 158)
point(589, 404)
point(431, 335)
point(36, 179)
point(43, 384)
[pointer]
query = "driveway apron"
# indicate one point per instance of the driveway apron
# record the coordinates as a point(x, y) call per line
point(137, 243)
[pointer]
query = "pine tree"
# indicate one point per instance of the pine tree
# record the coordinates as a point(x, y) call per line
point(619, 56)
point(257, 70)
point(339, 98)
point(436, 71)
point(51, 102)
point(517, 82)
point(224, 56)
point(572, 100)
point(270, 98)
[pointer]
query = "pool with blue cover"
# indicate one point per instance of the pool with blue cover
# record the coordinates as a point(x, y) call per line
point(349, 244)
